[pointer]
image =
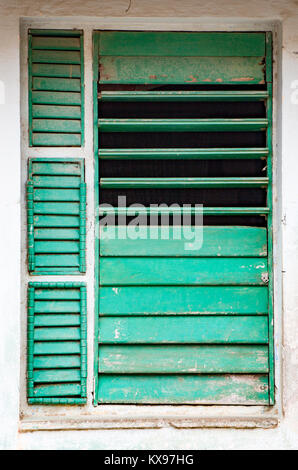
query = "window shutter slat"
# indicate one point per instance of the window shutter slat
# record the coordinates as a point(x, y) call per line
point(57, 348)
point(56, 78)
point(56, 198)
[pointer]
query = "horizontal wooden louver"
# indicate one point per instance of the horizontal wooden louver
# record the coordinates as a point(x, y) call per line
point(57, 343)
point(178, 326)
point(56, 88)
point(56, 216)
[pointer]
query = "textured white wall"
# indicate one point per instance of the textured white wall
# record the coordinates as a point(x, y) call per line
point(192, 14)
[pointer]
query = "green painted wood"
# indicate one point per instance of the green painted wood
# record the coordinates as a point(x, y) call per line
point(57, 294)
point(42, 181)
point(185, 329)
point(57, 246)
point(57, 306)
point(190, 241)
point(56, 84)
point(185, 44)
point(57, 320)
point(137, 359)
point(56, 347)
point(57, 390)
point(57, 260)
point(182, 271)
point(56, 70)
point(56, 234)
point(64, 167)
point(187, 154)
point(170, 300)
point(56, 43)
point(200, 95)
point(56, 125)
point(56, 221)
point(214, 182)
point(182, 70)
point(65, 208)
point(60, 112)
point(56, 79)
point(55, 32)
point(53, 362)
point(56, 98)
point(56, 140)
point(181, 125)
point(56, 57)
point(46, 194)
point(56, 375)
point(185, 210)
point(55, 334)
point(218, 389)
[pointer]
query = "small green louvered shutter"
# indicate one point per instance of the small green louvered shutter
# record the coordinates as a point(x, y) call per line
point(57, 343)
point(56, 88)
point(56, 208)
point(185, 118)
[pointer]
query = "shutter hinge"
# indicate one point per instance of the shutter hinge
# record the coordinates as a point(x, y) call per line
point(265, 278)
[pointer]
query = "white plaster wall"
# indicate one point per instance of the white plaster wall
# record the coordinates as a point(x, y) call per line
point(188, 15)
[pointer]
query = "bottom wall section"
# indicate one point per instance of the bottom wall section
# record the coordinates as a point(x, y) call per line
point(226, 389)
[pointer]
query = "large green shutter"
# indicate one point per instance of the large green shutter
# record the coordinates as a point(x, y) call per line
point(56, 216)
point(176, 326)
point(56, 88)
point(57, 343)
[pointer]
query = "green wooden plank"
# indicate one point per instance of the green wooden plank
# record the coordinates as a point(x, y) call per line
point(185, 44)
point(56, 57)
point(183, 329)
point(174, 210)
point(60, 112)
point(53, 362)
point(56, 98)
point(56, 234)
point(213, 182)
point(56, 70)
point(41, 181)
point(182, 70)
point(57, 390)
point(181, 125)
point(182, 271)
point(56, 32)
point(56, 43)
point(218, 389)
point(57, 347)
point(42, 194)
point(201, 95)
point(57, 320)
point(56, 334)
point(56, 375)
point(56, 84)
point(56, 246)
point(57, 260)
point(185, 241)
point(183, 300)
point(56, 125)
point(137, 359)
point(65, 167)
point(57, 306)
point(57, 294)
point(186, 153)
point(66, 208)
point(56, 140)
point(56, 221)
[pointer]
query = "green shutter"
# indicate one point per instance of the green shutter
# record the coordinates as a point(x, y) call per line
point(56, 216)
point(57, 343)
point(176, 326)
point(56, 88)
